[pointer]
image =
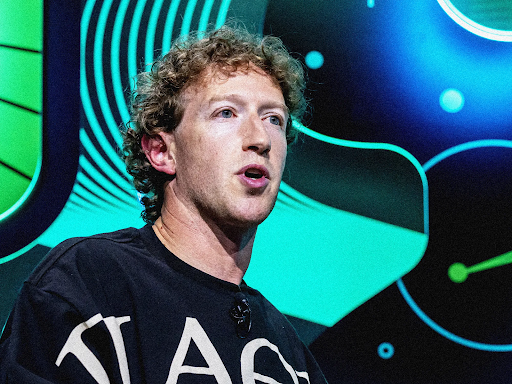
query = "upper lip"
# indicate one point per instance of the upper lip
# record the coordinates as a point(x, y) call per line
point(255, 167)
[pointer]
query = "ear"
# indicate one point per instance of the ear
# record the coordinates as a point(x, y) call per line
point(159, 150)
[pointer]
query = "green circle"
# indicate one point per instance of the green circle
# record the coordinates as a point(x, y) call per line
point(458, 273)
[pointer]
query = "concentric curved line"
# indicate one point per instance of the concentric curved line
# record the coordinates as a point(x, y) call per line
point(151, 32)
point(98, 73)
point(102, 193)
point(98, 177)
point(120, 182)
point(205, 17)
point(133, 38)
point(88, 204)
point(85, 95)
point(223, 12)
point(187, 17)
point(169, 25)
point(115, 66)
point(86, 195)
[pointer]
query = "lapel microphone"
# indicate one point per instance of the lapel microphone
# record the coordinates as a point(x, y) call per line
point(240, 313)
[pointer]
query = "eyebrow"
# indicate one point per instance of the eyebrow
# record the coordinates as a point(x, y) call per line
point(233, 97)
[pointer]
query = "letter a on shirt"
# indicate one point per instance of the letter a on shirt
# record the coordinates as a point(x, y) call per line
point(194, 331)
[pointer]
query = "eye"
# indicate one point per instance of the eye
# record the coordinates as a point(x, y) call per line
point(226, 113)
point(275, 120)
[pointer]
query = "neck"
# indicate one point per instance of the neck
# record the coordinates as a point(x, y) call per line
point(223, 252)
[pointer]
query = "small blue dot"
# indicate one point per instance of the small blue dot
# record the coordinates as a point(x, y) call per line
point(314, 60)
point(386, 350)
point(451, 100)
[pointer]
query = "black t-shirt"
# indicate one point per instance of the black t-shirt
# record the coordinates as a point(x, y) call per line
point(121, 308)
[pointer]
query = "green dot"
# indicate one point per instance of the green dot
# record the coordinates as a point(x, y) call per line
point(458, 272)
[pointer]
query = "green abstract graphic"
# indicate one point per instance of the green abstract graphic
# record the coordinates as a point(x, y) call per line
point(21, 66)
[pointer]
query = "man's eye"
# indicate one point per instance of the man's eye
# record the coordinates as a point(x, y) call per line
point(226, 113)
point(275, 120)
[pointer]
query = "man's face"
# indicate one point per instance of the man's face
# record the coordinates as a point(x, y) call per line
point(230, 147)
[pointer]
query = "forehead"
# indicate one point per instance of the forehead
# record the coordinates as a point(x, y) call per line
point(214, 81)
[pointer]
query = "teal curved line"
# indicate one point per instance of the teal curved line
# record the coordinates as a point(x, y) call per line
point(86, 18)
point(84, 205)
point(187, 17)
point(74, 207)
point(93, 183)
point(119, 181)
point(19, 252)
point(100, 179)
point(115, 67)
point(169, 25)
point(99, 37)
point(151, 32)
point(133, 37)
point(286, 200)
point(401, 286)
point(464, 147)
point(205, 17)
point(380, 146)
point(443, 332)
point(94, 188)
point(101, 205)
point(223, 13)
point(292, 197)
point(85, 95)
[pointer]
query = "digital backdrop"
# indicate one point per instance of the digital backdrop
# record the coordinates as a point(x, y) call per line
point(390, 246)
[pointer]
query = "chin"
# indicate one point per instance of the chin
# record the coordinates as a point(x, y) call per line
point(248, 213)
point(250, 219)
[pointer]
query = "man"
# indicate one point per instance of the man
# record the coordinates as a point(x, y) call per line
point(166, 303)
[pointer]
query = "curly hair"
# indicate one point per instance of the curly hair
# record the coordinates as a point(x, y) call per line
point(156, 104)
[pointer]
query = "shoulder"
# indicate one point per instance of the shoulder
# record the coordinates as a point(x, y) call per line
point(68, 256)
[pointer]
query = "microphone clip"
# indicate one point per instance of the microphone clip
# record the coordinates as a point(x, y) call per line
point(240, 313)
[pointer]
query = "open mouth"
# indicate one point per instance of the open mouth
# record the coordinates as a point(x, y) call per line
point(253, 173)
point(254, 176)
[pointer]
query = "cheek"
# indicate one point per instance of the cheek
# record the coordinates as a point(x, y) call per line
point(280, 150)
point(190, 150)
point(204, 159)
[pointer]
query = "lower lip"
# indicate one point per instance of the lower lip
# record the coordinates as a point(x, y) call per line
point(254, 183)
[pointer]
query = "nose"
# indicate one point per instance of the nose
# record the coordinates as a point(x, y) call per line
point(256, 137)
